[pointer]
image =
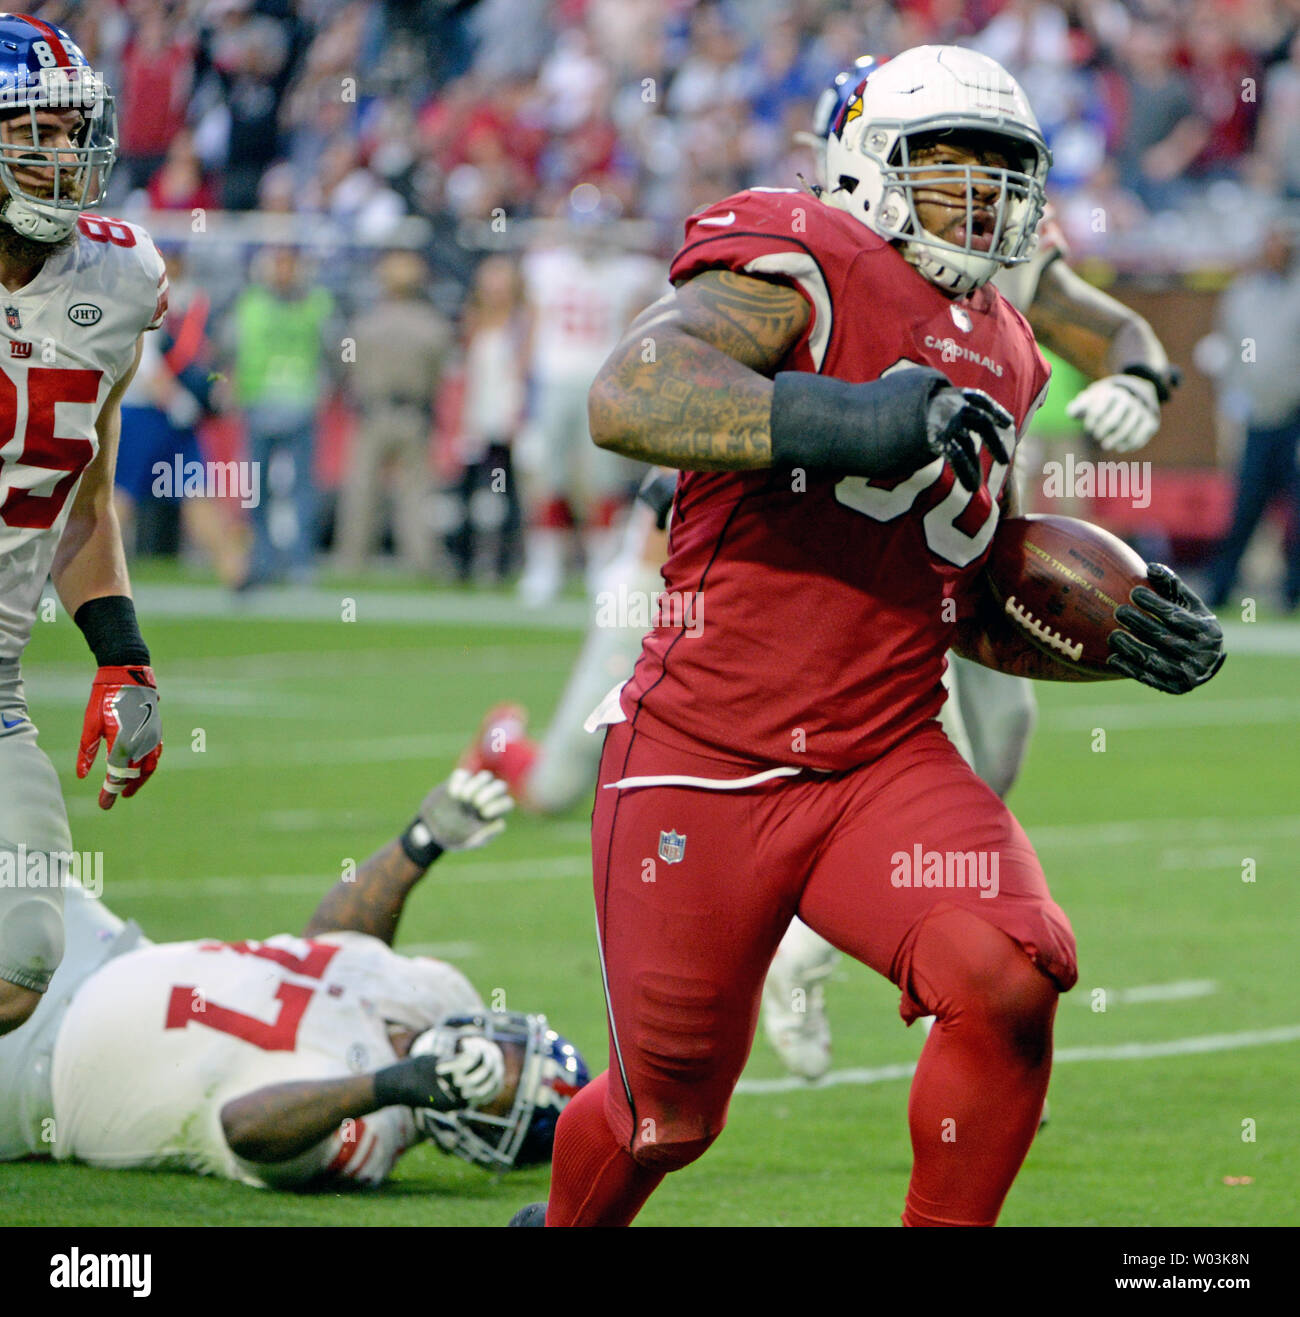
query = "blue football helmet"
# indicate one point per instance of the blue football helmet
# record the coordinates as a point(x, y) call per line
point(551, 1071)
point(43, 69)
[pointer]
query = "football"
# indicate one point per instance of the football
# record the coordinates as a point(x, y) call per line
point(1060, 580)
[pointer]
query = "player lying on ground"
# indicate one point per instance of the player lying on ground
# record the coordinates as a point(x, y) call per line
point(989, 715)
point(79, 291)
point(291, 1063)
point(844, 393)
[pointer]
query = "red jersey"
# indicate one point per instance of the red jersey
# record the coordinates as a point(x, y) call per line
point(812, 627)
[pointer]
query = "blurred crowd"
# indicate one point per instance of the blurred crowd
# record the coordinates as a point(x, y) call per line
point(366, 110)
point(1175, 126)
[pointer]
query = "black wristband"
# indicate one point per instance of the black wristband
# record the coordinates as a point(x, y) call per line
point(873, 429)
point(1164, 383)
point(410, 1083)
point(111, 631)
point(419, 845)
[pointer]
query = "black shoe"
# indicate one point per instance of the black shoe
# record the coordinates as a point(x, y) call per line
point(532, 1215)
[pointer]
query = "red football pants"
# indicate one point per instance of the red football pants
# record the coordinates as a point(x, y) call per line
point(867, 858)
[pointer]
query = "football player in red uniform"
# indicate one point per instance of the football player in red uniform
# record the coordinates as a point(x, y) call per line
point(844, 393)
point(989, 715)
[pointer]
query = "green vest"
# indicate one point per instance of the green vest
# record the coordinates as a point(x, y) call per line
point(1050, 422)
point(278, 354)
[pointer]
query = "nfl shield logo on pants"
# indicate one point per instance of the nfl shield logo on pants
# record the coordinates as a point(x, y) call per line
point(672, 846)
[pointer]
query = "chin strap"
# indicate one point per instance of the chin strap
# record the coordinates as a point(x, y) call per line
point(946, 278)
point(928, 262)
point(34, 223)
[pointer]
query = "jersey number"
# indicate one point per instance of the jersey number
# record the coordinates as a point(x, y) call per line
point(954, 529)
point(104, 228)
point(41, 447)
point(188, 1006)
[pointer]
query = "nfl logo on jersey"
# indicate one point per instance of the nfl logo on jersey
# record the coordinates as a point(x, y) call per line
point(12, 318)
point(672, 846)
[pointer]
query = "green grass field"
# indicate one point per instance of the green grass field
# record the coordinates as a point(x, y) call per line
point(321, 736)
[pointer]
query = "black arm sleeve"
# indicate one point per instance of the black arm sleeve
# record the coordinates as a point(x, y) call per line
point(874, 429)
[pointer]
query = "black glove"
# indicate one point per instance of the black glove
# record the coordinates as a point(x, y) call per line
point(957, 414)
point(1171, 640)
point(472, 1073)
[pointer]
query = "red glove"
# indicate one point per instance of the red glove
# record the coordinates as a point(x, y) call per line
point(123, 711)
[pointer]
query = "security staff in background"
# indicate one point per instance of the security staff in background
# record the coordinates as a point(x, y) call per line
point(402, 345)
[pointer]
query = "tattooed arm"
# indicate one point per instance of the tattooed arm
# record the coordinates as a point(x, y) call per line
point(371, 901)
point(704, 400)
point(459, 814)
point(1090, 329)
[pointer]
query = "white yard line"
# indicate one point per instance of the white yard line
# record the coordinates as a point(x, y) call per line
point(1217, 857)
point(1261, 637)
point(377, 750)
point(313, 820)
point(1219, 1042)
point(293, 884)
point(1179, 990)
point(1207, 712)
point(68, 687)
point(232, 671)
point(792, 1084)
point(1127, 832)
point(372, 604)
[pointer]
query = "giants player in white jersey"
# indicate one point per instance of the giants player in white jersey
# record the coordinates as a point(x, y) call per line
point(581, 295)
point(989, 715)
point(291, 1062)
point(77, 292)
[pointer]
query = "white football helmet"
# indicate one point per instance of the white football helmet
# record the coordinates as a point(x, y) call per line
point(921, 94)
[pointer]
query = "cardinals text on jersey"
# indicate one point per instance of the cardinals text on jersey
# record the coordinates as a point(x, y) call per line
point(66, 339)
point(826, 629)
